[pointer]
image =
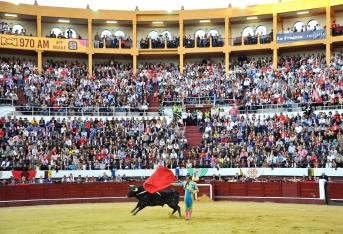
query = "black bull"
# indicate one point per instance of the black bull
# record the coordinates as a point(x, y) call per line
point(168, 196)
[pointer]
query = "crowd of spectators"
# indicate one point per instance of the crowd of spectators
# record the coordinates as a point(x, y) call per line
point(6, 29)
point(68, 87)
point(336, 29)
point(159, 42)
point(71, 143)
point(12, 74)
point(67, 35)
point(229, 140)
point(303, 28)
point(112, 41)
point(47, 179)
point(205, 41)
point(308, 140)
point(196, 83)
point(252, 82)
point(254, 39)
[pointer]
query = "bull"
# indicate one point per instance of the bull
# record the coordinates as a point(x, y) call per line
point(170, 197)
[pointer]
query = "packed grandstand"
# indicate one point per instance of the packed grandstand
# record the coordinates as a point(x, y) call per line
point(234, 137)
point(179, 93)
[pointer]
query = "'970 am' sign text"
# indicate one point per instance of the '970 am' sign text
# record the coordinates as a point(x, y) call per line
point(49, 44)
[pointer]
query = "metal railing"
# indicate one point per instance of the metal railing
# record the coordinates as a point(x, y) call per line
point(158, 44)
point(8, 101)
point(111, 43)
point(203, 42)
point(289, 107)
point(198, 100)
point(252, 40)
point(87, 111)
point(159, 111)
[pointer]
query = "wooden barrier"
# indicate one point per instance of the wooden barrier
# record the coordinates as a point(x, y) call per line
point(335, 191)
point(112, 192)
point(288, 189)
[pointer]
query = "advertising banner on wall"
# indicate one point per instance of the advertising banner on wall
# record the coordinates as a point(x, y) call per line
point(300, 36)
point(39, 43)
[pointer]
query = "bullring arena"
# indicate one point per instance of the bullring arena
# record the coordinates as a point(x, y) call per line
point(114, 115)
point(216, 217)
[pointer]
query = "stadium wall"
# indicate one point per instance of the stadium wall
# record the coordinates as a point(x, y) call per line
point(236, 29)
point(43, 194)
point(79, 28)
point(98, 28)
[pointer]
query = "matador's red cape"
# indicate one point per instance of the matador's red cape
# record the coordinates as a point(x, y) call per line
point(161, 179)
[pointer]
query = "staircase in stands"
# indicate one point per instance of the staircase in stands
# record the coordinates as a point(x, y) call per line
point(193, 136)
point(21, 97)
point(153, 105)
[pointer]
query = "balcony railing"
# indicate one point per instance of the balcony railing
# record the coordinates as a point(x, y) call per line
point(338, 31)
point(158, 111)
point(113, 43)
point(251, 40)
point(289, 107)
point(158, 44)
point(8, 101)
point(86, 111)
point(203, 42)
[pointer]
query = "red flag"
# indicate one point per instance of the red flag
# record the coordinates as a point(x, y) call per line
point(161, 179)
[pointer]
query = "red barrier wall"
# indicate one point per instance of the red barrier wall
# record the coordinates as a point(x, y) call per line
point(299, 190)
point(335, 190)
point(110, 192)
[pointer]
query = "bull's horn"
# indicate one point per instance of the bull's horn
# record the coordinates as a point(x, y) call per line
point(131, 186)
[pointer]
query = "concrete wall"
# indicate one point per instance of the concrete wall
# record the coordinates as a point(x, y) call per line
point(191, 29)
point(255, 56)
point(25, 56)
point(114, 58)
point(81, 29)
point(213, 58)
point(302, 52)
point(69, 58)
point(158, 60)
point(339, 17)
point(237, 29)
point(143, 31)
point(113, 28)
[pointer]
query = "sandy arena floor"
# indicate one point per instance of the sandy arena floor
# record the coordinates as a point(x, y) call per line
point(208, 217)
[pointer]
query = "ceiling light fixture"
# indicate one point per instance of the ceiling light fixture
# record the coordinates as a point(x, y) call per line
point(204, 21)
point(302, 12)
point(63, 21)
point(111, 22)
point(252, 18)
point(11, 15)
point(157, 22)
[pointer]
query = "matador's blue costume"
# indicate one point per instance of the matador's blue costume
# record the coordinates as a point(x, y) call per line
point(190, 187)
